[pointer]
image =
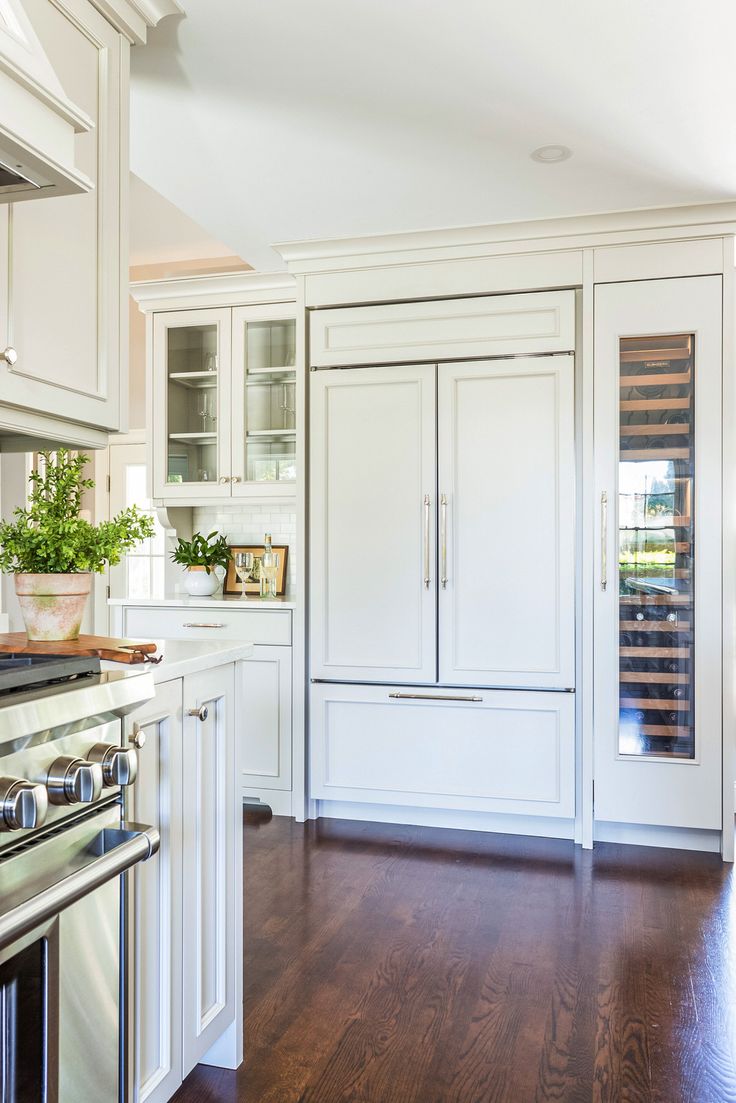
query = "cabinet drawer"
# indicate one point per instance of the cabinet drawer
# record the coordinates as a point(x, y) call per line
point(495, 751)
point(487, 325)
point(188, 623)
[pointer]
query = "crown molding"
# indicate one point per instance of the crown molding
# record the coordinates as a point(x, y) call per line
point(133, 17)
point(587, 230)
point(219, 288)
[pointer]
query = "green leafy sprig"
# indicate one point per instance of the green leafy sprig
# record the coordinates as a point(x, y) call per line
point(202, 551)
point(50, 537)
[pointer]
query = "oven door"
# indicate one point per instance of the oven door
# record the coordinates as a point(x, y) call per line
point(60, 961)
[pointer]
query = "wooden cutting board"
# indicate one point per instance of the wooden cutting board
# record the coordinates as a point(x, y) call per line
point(117, 651)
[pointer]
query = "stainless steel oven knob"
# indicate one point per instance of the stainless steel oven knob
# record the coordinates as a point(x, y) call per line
point(119, 764)
point(74, 781)
point(23, 804)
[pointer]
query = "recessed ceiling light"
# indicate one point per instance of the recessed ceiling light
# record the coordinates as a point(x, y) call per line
point(548, 155)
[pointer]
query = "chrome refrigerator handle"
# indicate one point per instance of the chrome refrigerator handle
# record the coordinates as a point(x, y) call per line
point(604, 540)
point(443, 539)
point(427, 579)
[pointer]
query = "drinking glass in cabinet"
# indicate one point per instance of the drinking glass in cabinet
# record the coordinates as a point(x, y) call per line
point(270, 401)
point(655, 546)
point(192, 398)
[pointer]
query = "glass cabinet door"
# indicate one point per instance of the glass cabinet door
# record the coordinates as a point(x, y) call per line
point(192, 372)
point(655, 545)
point(264, 425)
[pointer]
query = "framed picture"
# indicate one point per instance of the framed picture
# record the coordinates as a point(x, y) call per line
point(233, 587)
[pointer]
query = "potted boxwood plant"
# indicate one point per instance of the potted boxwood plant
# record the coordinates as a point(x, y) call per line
point(199, 556)
point(52, 550)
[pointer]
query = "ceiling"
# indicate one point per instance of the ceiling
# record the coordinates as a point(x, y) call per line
point(274, 120)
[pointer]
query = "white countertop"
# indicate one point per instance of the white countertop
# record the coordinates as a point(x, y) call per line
point(182, 657)
point(182, 601)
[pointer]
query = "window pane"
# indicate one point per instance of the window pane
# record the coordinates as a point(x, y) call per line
point(655, 520)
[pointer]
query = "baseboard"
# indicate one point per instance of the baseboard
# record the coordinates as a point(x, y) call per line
point(278, 800)
point(539, 826)
point(673, 838)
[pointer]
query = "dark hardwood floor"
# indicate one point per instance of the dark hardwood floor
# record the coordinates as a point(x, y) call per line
point(393, 964)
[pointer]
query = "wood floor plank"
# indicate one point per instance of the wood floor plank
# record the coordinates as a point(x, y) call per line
point(392, 964)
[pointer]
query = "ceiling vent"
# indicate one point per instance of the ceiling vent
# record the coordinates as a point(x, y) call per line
point(37, 121)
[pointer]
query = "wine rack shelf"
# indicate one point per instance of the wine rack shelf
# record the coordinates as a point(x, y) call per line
point(656, 607)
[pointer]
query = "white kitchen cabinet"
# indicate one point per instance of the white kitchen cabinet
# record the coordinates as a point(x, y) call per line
point(498, 325)
point(266, 688)
point(507, 522)
point(209, 918)
point(223, 403)
point(157, 798)
point(66, 262)
point(186, 901)
point(372, 524)
point(658, 632)
point(481, 751)
point(265, 723)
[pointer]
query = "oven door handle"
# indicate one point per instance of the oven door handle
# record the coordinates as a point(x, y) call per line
point(115, 849)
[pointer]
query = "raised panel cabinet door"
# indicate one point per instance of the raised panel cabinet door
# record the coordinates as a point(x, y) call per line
point(211, 873)
point(265, 726)
point(157, 899)
point(479, 750)
point(191, 404)
point(373, 511)
point(658, 724)
point(507, 523)
point(65, 259)
point(485, 325)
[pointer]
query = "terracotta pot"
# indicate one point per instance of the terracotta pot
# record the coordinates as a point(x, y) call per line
point(198, 583)
point(53, 605)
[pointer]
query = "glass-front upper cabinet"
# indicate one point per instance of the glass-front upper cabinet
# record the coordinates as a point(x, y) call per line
point(191, 423)
point(264, 400)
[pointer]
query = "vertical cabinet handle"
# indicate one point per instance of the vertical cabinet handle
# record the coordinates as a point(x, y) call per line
point(427, 579)
point(443, 540)
point(604, 540)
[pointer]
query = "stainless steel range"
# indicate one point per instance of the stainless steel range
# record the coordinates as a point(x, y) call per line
point(64, 849)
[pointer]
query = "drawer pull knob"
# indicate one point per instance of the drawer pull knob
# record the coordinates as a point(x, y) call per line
point(201, 713)
point(202, 624)
point(430, 697)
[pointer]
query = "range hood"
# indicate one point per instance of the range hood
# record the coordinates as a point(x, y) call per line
point(37, 121)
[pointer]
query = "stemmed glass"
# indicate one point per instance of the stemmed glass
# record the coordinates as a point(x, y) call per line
point(203, 408)
point(243, 567)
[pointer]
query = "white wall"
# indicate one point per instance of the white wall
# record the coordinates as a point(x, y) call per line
point(247, 524)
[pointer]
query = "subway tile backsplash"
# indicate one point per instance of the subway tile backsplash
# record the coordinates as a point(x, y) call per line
point(247, 524)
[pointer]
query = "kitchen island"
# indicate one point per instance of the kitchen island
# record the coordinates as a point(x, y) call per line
point(186, 906)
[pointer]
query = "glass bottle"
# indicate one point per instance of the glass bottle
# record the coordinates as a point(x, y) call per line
point(269, 569)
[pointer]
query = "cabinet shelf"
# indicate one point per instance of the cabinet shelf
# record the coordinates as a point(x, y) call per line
point(678, 428)
point(194, 380)
point(194, 438)
point(657, 599)
point(654, 652)
point(647, 676)
point(654, 704)
point(285, 369)
point(655, 404)
point(653, 626)
point(655, 454)
point(664, 380)
point(264, 434)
